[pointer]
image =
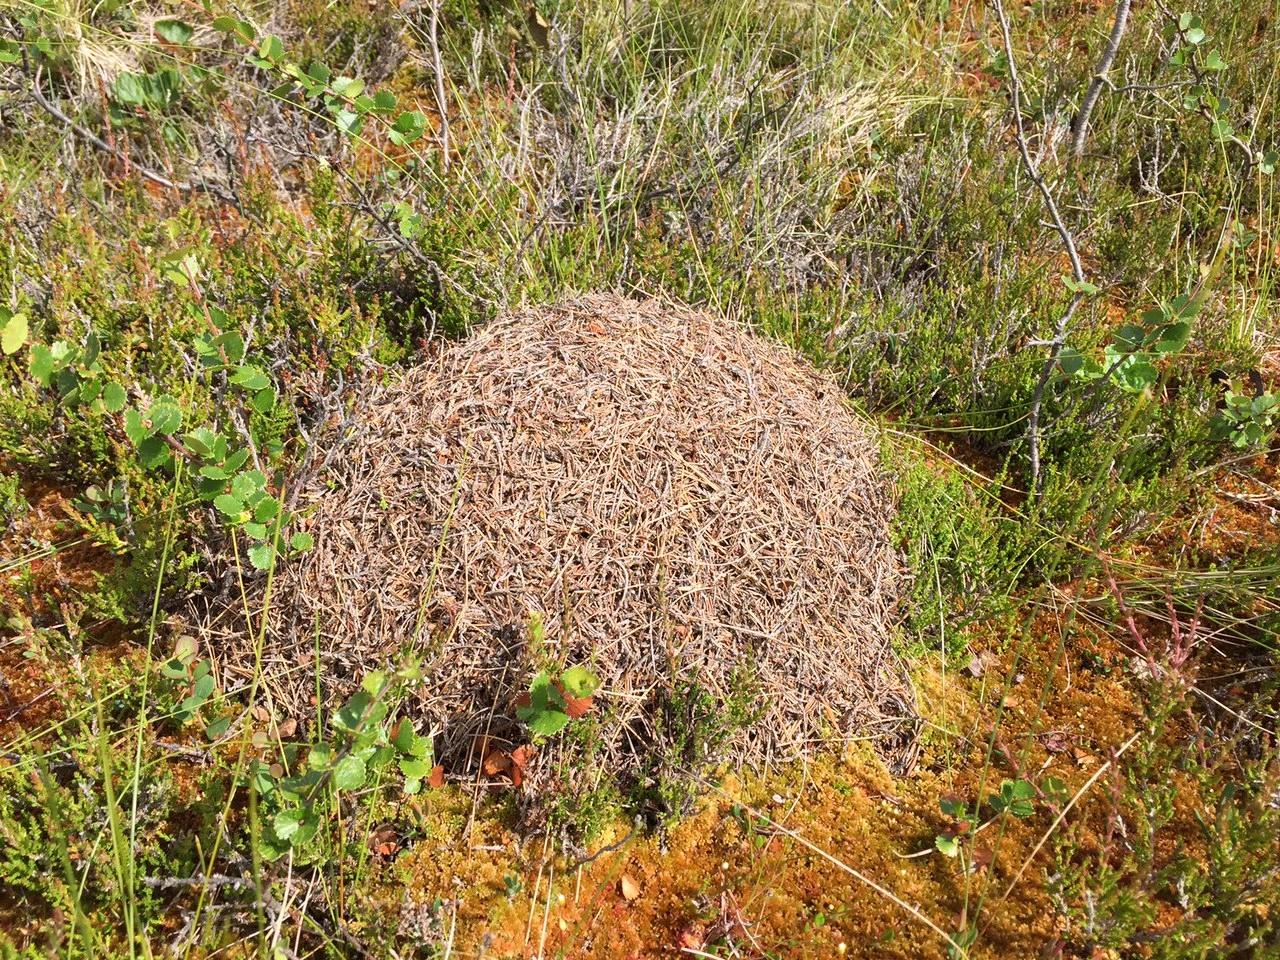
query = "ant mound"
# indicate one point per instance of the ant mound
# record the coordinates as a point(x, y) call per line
point(629, 493)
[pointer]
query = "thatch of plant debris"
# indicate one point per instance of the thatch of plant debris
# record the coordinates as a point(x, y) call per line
point(694, 513)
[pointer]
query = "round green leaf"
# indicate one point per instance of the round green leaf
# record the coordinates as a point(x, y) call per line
point(15, 334)
point(580, 682)
point(203, 688)
point(251, 378)
point(229, 506)
point(42, 364)
point(548, 722)
point(173, 31)
point(348, 773)
point(153, 452)
point(217, 728)
point(262, 555)
point(414, 768)
point(113, 397)
point(263, 400)
point(287, 822)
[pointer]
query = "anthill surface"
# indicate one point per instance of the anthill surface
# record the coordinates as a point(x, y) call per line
point(695, 514)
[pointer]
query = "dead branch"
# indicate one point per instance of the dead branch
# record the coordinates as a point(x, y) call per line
point(1068, 242)
point(1081, 127)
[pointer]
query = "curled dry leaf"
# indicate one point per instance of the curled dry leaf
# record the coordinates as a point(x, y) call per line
point(1083, 757)
point(1055, 741)
point(521, 756)
point(981, 858)
point(500, 763)
point(982, 661)
point(436, 777)
point(496, 762)
point(629, 889)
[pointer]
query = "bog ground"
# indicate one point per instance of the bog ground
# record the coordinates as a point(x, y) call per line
point(279, 277)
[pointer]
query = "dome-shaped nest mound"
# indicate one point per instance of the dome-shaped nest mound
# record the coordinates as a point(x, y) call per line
point(695, 515)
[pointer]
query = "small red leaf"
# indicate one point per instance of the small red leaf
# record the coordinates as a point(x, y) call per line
point(692, 937)
point(496, 762)
point(522, 755)
point(384, 842)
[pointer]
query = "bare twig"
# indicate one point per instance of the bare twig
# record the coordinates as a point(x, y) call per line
point(1033, 171)
point(1068, 242)
point(30, 703)
point(196, 880)
point(1037, 396)
point(437, 65)
point(1081, 128)
point(611, 848)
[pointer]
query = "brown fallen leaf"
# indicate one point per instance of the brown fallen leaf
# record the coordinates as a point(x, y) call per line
point(436, 777)
point(1083, 757)
point(500, 763)
point(521, 756)
point(982, 662)
point(384, 842)
point(287, 729)
point(495, 763)
point(1055, 741)
point(629, 889)
point(980, 858)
